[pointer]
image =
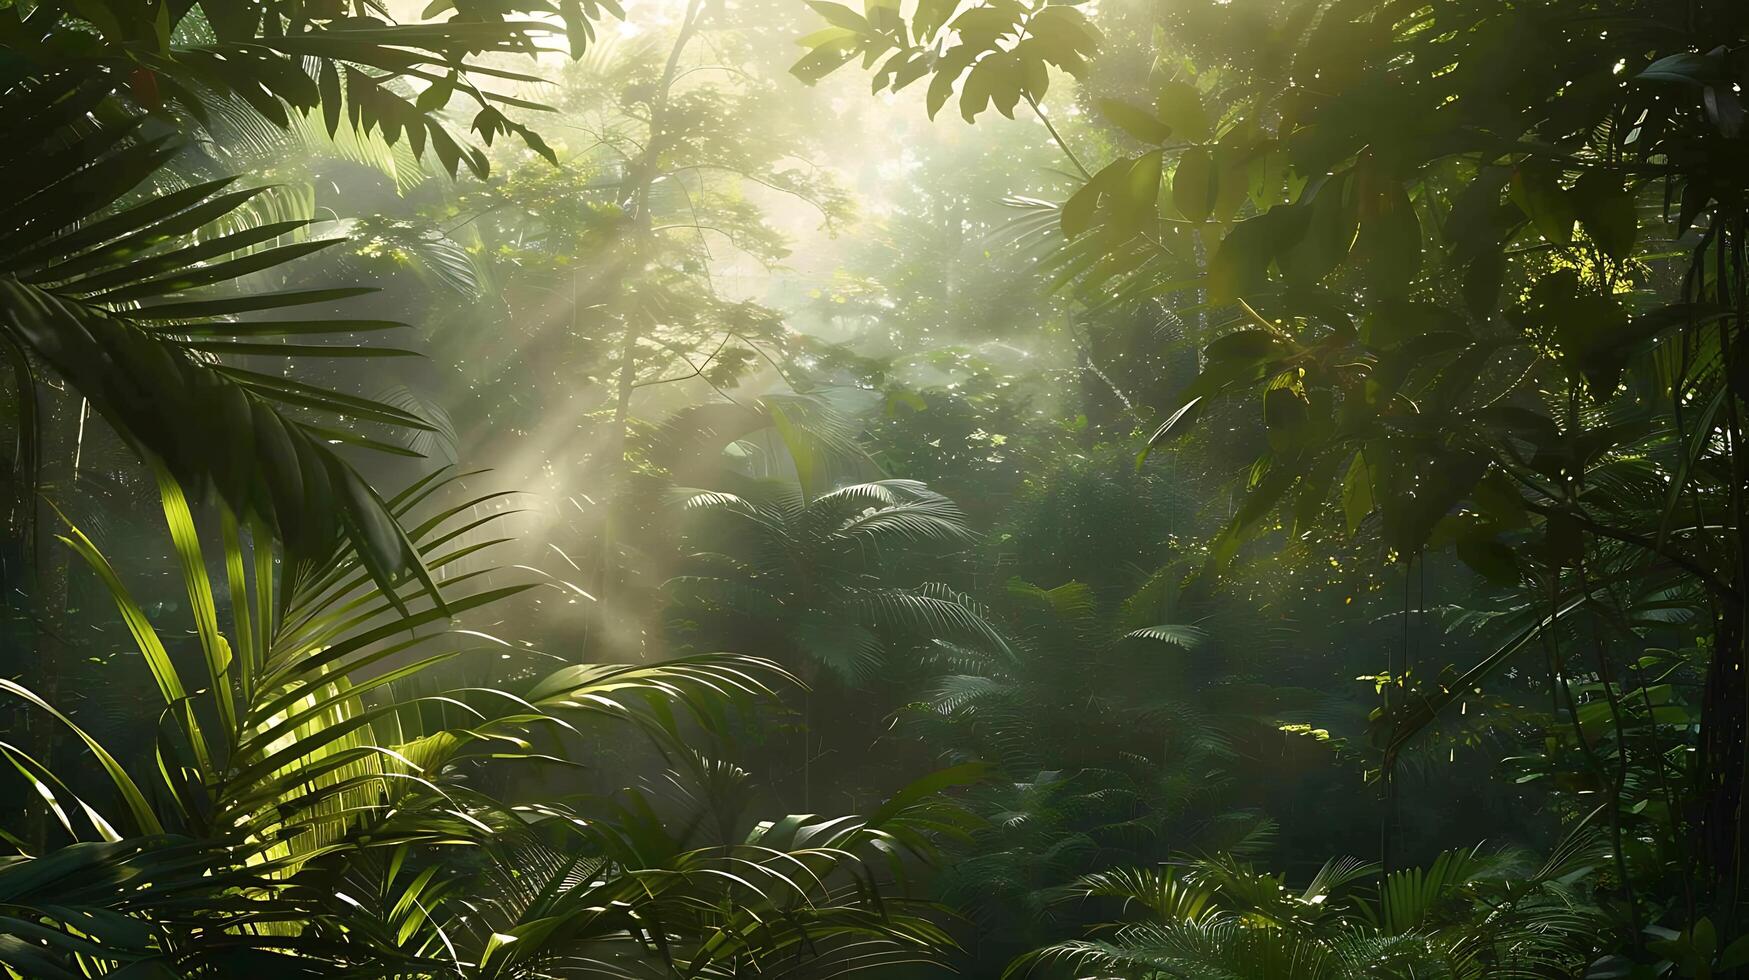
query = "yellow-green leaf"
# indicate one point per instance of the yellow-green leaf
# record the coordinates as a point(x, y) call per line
point(1195, 184)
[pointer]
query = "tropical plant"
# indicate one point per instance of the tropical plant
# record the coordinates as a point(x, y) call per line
point(350, 60)
point(1467, 914)
point(1436, 260)
point(297, 755)
point(805, 572)
point(1095, 775)
point(1277, 362)
point(619, 893)
point(999, 54)
point(627, 895)
point(127, 304)
point(78, 88)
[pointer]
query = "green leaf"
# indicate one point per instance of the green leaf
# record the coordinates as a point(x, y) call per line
point(1388, 243)
point(830, 53)
point(1246, 347)
point(1286, 417)
point(277, 328)
point(1536, 189)
point(1232, 164)
point(1176, 423)
point(1179, 107)
point(940, 87)
point(1137, 122)
point(1357, 496)
point(1195, 184)
point(349, 351)
point(839, 15)
point(1687, 68)
point(1241, 262)
point(197, 309)
point(964, 774)
point(1704, 937)
point(1482, 282)
point(136, 268)
point(930, 16)
point(1491, 558)
point(156, 657)
point(1606, 210)
point(1077, 213)
point(1248, 518)
point(980, 85)
point(1035, 75)
point(198, 587)
point(1497, 498)
point(1332, 221)
point(340, 403)
point(1140, 204)
point(1394, 322)
point(328, 91)
point(808, 463)
point(141, 810)
point(436, 95)
point(1735, 955)
point(216, 272)
point(1171, 634)
point(123, 226)
point(1266, 174)
point(1007, 80)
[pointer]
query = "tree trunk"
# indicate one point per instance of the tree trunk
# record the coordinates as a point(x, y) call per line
point(640, 177)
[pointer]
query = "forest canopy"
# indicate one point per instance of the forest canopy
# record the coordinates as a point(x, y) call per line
point(1082, 489)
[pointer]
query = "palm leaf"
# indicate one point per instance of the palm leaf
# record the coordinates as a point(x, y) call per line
point(70, 286)
point(1188, 637)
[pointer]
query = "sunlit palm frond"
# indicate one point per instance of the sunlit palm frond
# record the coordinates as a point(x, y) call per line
point(302, 742)
point(963, 692)
point(1187, 637)
point(1210, 949)
point(933, 610)
point(1220, 918)
point(802, 897)
point(1151, 891)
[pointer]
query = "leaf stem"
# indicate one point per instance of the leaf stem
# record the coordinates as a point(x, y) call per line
point(1061, 143)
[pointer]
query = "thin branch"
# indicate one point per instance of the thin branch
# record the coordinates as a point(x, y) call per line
point(1602, 530)
point(697, 370)
point(1059, 138)
point(744, 175)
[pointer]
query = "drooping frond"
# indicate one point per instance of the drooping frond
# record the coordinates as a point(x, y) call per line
point(125, 301)
point(933, 610)
point(912, 522)
point(962, 692)
point(1187, 637)
point(1148, 891)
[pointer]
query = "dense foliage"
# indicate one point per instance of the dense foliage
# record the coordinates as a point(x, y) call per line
point(520, 488)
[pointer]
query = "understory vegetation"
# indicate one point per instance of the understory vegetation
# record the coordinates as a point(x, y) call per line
point(1141, 489)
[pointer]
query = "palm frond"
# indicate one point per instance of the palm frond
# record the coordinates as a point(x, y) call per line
point(1187, 637)
point(123, 303)
point(931, 610)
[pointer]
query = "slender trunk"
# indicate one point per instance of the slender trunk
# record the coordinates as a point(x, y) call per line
point(49, 599)
point(1723, 732)
point(1726, 695)
point(606, 586)
point(1395, 666)
point(1606, 680)
point(634, 251)
point(1199, 319)
point(42, 576)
